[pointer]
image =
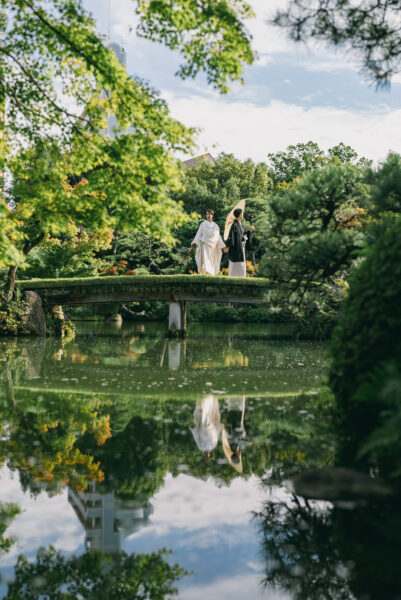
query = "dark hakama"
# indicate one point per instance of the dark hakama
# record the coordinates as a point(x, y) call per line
point(238, 241)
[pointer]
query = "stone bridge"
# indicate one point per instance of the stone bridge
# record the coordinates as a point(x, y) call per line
point(177, 290)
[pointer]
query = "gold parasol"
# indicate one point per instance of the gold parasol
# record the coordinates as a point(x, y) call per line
point(227, 450)
point(230, 218)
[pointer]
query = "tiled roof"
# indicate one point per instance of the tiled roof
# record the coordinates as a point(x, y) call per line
point(194, 162)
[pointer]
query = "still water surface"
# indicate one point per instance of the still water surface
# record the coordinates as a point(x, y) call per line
point(124, 440)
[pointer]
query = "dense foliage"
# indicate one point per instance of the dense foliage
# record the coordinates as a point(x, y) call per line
point(221, 185)
point(314, 225)
point(8, 512)
point(76, 256)
point(366, 374)
point(13, 315)
point(93, 576)
point(62, 84)
point(309, 210)
point(299, 159)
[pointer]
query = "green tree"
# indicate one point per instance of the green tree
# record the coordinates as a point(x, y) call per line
point(8, 512)
point(385, 195)
point(221, 185)
point(93, 576)
point(52, 47)
point(370, 29)
point(365, 374)
point(140, 252)
point(70, 257)
point(210, 35)
point(310, 233)
point(301, 158)
point(313, 225)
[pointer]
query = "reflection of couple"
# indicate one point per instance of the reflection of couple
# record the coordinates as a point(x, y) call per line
point(208, 427)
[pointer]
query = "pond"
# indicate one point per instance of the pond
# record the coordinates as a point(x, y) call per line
point(123, 440)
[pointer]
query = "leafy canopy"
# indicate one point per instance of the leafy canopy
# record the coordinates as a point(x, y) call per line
point(209, 34)
point(93, 576)
point(301, 158)
point(62, 84)
point(221, 185)
point(313, 225)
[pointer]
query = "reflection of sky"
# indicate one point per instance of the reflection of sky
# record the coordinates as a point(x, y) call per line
point(43, 521)
point(211, 533)
point(209, 529)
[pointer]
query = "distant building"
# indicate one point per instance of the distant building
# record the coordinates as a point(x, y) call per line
point(112, 123)
point(119, 52)
point(198, 160)
point(106, 519)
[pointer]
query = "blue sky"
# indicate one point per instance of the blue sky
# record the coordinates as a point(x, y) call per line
point(210, 531)
point(291, 94)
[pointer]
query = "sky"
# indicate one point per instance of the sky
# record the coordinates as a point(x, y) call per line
point(292, 94)
point(221, 547)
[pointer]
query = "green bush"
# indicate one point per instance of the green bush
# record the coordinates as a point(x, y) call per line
point(13, 316)
point(232, 314)
point(366, 369)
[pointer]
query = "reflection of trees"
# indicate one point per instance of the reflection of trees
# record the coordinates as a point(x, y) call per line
point(134, 461)
point(93, 576)
point(8, 511)
point(319, 553)
point(58, 438)
point(158, 440)
point(298, 550)
point(40, 433)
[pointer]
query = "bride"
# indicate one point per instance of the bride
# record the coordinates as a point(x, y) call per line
point(208, 244)
point(207, 425)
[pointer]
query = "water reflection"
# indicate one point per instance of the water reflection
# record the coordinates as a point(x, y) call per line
point(316, 550)
point(132, 362)
point(207, 425)
point(176, 354)
point(117, 424)
point(234, 437)
point(106, 519)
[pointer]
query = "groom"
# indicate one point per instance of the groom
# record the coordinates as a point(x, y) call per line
point(238, 240)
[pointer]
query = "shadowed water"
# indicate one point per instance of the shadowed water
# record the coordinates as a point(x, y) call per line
point(123, 440)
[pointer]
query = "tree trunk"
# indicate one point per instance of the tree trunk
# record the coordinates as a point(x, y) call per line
point(10, 284)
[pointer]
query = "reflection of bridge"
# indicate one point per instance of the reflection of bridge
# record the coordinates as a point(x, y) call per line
point(107, 520)
point(174, 289)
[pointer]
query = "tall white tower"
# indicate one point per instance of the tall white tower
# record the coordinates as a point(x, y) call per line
point(106, 519)
point(122, 57)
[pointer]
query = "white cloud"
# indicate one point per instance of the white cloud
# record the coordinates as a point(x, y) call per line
point(42, 521)
point(249, 130)
point(234, 587)
point(214, 507)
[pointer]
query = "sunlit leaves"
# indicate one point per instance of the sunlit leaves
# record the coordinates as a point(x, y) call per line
point(209, 34)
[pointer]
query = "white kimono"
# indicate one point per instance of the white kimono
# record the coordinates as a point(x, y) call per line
point(207, 423)
point(208, 248)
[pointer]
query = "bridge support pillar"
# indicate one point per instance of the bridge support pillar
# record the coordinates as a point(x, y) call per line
point(177, 319)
